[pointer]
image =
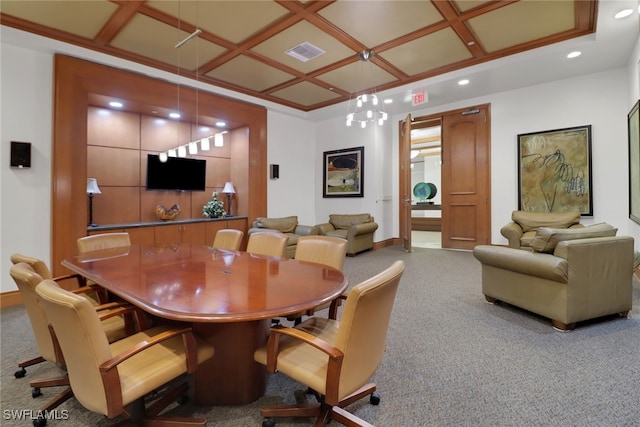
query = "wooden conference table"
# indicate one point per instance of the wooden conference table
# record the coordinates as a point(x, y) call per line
point(229, 297)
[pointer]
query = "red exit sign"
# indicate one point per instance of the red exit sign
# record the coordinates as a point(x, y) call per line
point(419, 96)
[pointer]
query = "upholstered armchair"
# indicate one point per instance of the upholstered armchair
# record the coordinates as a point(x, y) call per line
point(288, 226)
point(357, 229)
point(568, 276)
point(114, 327)
point(335, 358)
point(113, 379)
point(523, 226)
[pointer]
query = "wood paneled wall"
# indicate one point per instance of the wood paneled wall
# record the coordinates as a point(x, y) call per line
point(118, 144)
point(75, 81)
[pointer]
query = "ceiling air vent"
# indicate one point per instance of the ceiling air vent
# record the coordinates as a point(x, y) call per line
point(304, 51)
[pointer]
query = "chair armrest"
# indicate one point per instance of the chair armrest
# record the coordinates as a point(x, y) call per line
point(335, 356)
point(333, 308)
point(324, 228)
point(190, 347)
point(535, 264)
point(77, 277)
point(109, 373)
point(127, 311)
point(513, 233)
point(262, 230)
point(364, 228)
point(305, 230)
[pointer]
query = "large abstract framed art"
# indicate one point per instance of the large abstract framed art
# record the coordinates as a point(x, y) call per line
point(634, 163)
point(343, 173)
point(554, 171)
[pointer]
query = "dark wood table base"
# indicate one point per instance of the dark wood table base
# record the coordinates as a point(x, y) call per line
point(231, 377)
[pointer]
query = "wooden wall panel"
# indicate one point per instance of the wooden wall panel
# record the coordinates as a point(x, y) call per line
point(200, 198)
point(113, 166)
point(113, 128)
point(159, 134)
point(218, 172)
point(240, 168)
point(116, 205)
point(151, 199)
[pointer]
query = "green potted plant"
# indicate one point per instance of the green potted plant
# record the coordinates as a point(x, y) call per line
point(214, 207)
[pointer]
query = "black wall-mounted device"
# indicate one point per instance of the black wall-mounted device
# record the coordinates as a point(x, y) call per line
point(274, 171)
point(20, 154)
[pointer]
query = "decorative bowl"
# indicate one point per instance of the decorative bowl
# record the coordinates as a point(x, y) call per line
point(167, 214)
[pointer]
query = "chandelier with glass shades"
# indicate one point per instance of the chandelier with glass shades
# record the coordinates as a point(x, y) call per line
point(366, 107)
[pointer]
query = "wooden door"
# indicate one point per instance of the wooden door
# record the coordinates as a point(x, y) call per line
point(405, 183)
point(466, 178)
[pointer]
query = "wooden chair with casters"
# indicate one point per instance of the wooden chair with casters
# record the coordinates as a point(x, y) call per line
point(27, 279)
point(325, 250)
point(113, 379)
point(229, 239)
point(267, 244)
point(103, 241)
point(335, 359)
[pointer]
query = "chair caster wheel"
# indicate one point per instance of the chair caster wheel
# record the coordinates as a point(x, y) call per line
point(21, 373)
point(40, 422)
point(35, 392)
point(374, 399)
point(268, 422)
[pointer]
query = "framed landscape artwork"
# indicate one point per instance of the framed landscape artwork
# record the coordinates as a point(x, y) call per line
point(634, 163)
point(343, 173)
point(554, 171)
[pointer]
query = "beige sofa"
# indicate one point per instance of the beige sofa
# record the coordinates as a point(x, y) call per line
point(570, 275)
point(357, 229)
point(287, 225)
point(523, 226)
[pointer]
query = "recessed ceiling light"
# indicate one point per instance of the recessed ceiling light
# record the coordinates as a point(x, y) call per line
point(623, 13)
point(388, 101)
point(463, 82)
point(174, 115)
point(221, 124)
point(574, 54)
point(115, 104)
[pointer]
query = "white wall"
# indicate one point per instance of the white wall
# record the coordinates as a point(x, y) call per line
point(26, 115)
point(380, 171)
point(634, 96)
point(291, 144)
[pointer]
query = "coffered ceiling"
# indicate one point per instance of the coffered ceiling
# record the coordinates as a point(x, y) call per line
point(242, 45)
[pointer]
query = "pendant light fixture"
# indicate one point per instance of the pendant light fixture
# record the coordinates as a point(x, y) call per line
point(366, 108)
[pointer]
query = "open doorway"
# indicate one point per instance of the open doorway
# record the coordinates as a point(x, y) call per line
point(426, 200)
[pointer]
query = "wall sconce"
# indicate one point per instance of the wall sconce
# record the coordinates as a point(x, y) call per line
point(228, 190)
point(92, 188)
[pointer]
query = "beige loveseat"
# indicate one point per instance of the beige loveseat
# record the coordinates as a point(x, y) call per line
point(570, 275)
point(287, 225)
point(357, 229)
point(523, 226)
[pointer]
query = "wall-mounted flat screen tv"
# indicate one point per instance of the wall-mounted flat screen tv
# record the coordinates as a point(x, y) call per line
point(177, 173)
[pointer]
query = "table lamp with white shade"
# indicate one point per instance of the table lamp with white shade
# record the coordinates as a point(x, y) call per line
point(228, 190)
point(92, 188)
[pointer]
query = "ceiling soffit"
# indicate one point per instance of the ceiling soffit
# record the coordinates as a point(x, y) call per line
point(242, 44)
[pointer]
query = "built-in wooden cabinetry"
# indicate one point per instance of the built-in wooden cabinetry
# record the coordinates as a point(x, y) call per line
point(195, 231)
point(78, 86)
